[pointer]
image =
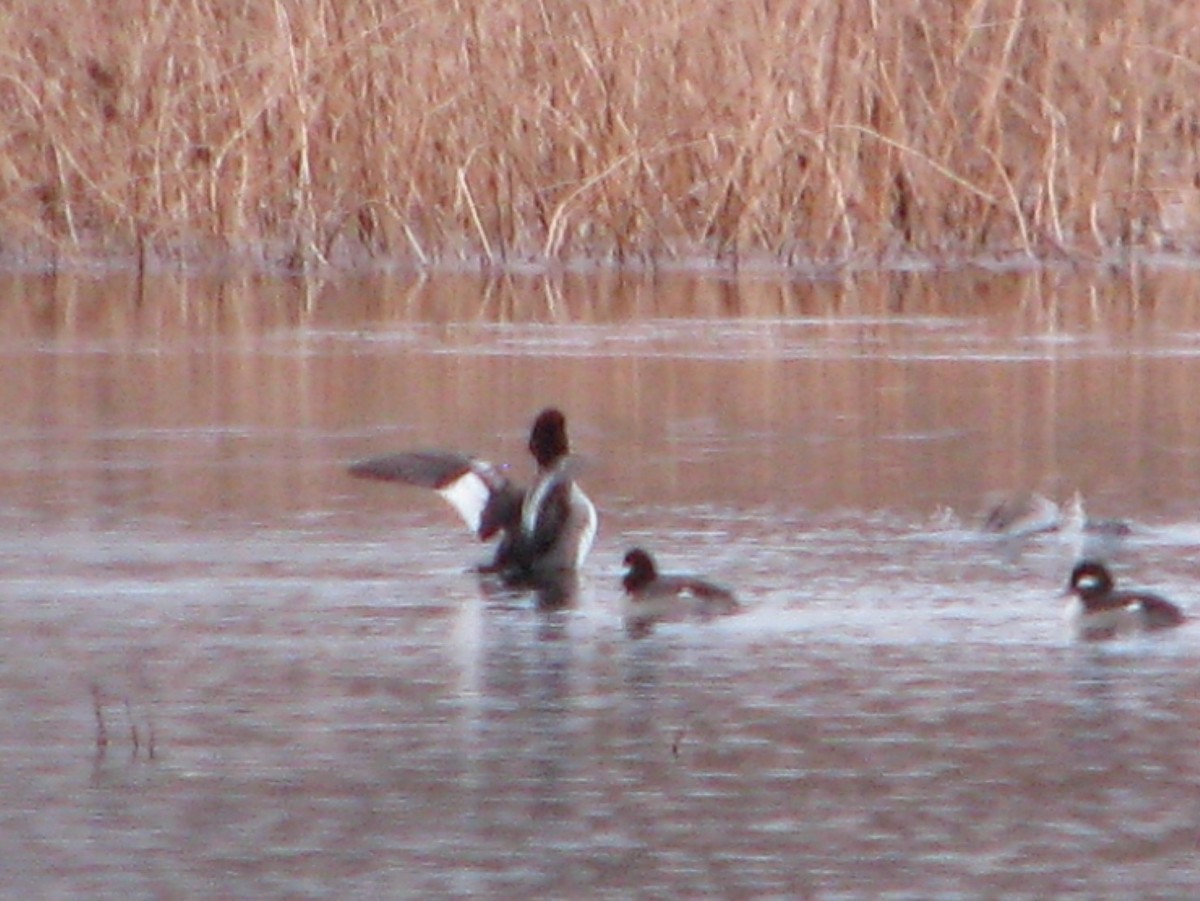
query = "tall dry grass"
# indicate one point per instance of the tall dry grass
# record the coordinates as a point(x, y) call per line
point(505, 131)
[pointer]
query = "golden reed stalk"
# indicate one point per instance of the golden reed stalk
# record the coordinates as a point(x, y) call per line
point(507, 132)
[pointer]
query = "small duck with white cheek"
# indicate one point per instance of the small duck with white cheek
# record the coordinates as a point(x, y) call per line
point(651, 596)
point(1098, 610)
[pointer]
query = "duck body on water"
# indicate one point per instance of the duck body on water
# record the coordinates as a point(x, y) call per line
point(1025, 514)
point(1098, 610)
point(545, 532)
point(651, 596)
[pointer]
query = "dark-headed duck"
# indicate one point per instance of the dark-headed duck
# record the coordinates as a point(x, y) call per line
point(544, 531)
point(1098, 610)
point(652, 596)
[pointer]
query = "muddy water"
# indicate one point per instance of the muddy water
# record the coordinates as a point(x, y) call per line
point(304, 692)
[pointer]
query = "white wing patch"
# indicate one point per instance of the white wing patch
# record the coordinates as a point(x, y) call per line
point(468, 494)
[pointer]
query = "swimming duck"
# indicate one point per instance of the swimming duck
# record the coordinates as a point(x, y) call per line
point(1021, 514)
point(545, 530)
point(1099, 610)
point(651, 596)
point(1024, 514)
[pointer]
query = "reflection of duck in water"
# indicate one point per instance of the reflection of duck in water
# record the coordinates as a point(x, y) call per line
point(653, 597)
point(1098, 610)
point(555, 590)
point(544, 532)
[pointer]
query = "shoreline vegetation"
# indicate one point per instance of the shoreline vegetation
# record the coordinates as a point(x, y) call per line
point(510, 134)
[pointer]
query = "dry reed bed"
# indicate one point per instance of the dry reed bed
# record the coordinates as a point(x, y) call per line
point(514, 130)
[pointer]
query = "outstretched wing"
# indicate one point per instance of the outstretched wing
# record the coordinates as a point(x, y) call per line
point(485, 499)
point(425, 469)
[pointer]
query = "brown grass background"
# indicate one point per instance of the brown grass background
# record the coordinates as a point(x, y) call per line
point(509, 132)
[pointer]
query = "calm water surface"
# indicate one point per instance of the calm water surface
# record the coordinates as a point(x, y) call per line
point(306, 694)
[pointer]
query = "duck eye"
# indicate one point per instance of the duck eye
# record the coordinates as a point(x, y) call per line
point(1087, 582)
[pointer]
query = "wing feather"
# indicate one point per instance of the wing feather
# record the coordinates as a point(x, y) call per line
point(482, 495)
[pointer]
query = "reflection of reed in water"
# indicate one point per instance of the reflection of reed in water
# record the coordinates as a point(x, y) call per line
point(880, 391)
point(138, 735)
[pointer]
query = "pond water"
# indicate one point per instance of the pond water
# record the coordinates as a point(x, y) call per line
point(306, 693)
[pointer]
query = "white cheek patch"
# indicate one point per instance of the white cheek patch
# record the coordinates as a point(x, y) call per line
point(468, 494)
